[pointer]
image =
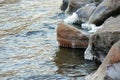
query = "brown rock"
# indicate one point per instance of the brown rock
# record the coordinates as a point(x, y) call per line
point(110, 68)
point(114, 53)
point(106, 9)
point(69, 36)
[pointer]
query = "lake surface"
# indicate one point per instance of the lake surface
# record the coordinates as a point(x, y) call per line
point(28, 45)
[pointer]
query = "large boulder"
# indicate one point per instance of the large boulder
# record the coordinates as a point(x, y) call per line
point(110, 68)
point(102, 40)
point(106, 9)
point(69, 36)
point(81, 15)
point(85, 12)
point(74, 5)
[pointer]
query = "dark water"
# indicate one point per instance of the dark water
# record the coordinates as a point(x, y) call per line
point(71, 63)
point(28, 46)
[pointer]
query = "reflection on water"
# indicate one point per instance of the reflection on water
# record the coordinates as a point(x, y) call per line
point(72, 64)
point(28, 46)
point(69, 56)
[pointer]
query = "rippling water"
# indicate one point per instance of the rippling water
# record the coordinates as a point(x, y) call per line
point(28, 46)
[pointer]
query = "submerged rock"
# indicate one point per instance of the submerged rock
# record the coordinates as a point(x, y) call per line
point(106, 9)
point(110, 68)
point(102, 40)
point(69, 36)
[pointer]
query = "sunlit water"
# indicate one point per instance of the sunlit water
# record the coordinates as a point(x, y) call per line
point(28, 46)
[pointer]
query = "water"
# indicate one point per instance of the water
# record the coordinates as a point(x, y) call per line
point(28, 46)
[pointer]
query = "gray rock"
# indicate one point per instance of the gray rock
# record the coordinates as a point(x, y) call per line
point(106, 9)
point(81, 15)
point(113, 72)
point(74, 5)
point(85, 12)
point(102, 40)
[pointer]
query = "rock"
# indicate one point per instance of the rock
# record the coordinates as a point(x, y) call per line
point(85, 12)
point(74, 5)
point(69, 36)
point(64, 5)
point(113, 72)
point(106, 9)
point(102, 40)
point(110, 68)
point(81, 15)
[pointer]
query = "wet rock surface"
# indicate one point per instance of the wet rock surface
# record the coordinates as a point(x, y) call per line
point(104, 38)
